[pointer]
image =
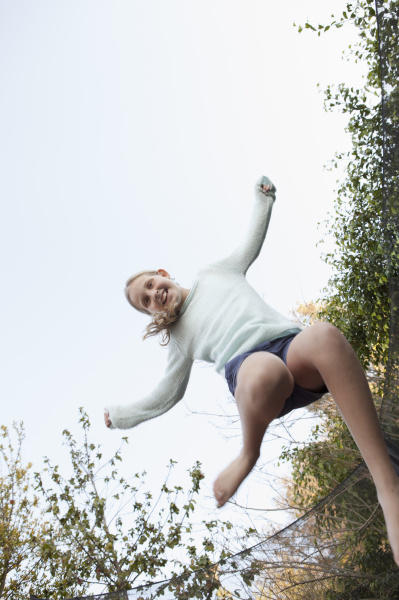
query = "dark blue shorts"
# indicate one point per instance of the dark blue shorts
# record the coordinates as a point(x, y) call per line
point(299, 398)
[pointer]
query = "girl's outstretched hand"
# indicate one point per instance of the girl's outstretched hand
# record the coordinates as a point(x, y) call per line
point(266, 188)
point(107, 420)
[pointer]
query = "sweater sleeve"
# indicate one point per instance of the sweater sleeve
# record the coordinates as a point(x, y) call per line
point(167, 393)
point(243, 257)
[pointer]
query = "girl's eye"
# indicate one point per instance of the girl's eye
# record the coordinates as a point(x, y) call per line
point(146, 301)
point(150, 284)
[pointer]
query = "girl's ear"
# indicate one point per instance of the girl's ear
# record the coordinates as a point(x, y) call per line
point(163, 273)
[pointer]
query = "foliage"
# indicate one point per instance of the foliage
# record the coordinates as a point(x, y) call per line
point(356, 299)
point(25, 535)
point(96, 527)
point(347, 554)
point(306, 314)
point(17, 529)
point(328, 457)
point(117, 535)
point(347, 529)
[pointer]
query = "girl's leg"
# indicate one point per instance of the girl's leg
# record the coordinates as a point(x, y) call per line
point(263, 385)
point(322, 354)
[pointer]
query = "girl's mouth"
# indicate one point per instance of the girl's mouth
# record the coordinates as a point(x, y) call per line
point(164, 296)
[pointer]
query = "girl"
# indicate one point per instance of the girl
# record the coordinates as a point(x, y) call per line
point(271, 365)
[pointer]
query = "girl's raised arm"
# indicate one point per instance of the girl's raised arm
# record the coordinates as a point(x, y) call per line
point(243, 257)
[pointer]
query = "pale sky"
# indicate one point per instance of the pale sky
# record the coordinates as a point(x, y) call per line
point(131, 135)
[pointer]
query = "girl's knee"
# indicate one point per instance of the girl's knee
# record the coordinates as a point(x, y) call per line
point(313, 346)
point(327, 343)
point(328, 335)
point(264, 377)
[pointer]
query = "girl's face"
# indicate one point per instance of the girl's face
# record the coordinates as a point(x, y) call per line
point(156, 293)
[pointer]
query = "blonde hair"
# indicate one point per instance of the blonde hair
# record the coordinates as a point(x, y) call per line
point(160, 321)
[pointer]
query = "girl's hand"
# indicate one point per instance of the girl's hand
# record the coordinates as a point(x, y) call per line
point(266, 187)
point(107, 420)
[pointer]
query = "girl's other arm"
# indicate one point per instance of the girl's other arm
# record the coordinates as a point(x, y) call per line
point(167, 393)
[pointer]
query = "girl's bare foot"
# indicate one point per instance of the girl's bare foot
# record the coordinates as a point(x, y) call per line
point(229, 480)
point(389, 500)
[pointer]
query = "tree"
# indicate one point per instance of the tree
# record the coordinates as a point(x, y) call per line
point(365, 256)
point(96, 527)
point(24, 532)
point(351, 558)
point(117, 535)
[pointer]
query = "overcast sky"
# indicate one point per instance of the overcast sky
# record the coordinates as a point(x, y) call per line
point(131, 135)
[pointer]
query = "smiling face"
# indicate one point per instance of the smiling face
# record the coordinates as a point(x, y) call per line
point(156, 293)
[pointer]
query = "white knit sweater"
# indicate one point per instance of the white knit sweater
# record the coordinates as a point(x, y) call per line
point(221, 317)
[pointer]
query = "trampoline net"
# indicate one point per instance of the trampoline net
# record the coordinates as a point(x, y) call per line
point(311, 558)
